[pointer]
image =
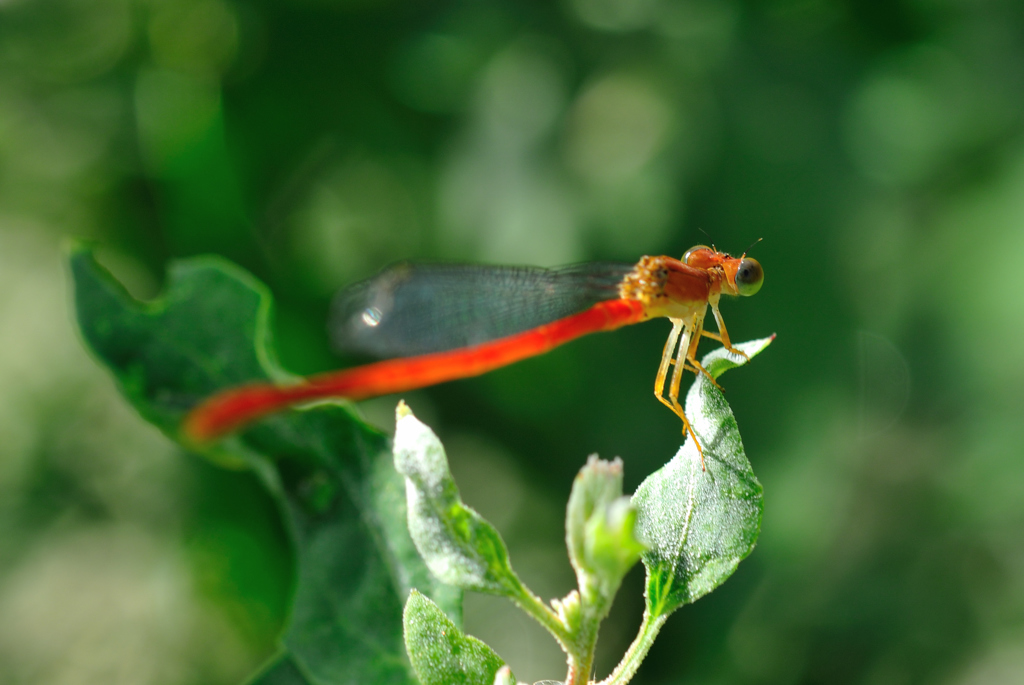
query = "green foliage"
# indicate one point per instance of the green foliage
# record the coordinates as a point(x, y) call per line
point(697, 525)
point(361, 547)
point(459, 546)
point(700, 523)
point(441, 654)
point(875, 146)
point(330, 473)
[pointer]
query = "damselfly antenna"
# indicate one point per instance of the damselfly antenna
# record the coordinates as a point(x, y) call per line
point(710, 239)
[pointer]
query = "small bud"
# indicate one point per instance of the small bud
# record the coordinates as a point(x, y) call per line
point(568, 610)
point(611, 541)
point(600, 525)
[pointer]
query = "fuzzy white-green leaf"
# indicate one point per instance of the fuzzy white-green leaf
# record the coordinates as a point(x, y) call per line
point(698, 524)
point(459, 546)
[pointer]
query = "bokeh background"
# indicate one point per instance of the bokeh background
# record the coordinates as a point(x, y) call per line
point(877, 147)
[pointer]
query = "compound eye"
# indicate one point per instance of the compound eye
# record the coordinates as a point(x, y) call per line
point(749, 277)
point(695, 248)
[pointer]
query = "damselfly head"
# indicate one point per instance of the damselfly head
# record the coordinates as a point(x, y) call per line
point(744, 275)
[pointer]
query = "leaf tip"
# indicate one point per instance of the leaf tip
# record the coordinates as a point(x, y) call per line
point(415, 597)
point(753, 347)
point(402, 410)
point(72, 246)
point(504, 676)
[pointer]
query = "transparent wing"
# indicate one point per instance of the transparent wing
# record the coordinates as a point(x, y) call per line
point(410, 309)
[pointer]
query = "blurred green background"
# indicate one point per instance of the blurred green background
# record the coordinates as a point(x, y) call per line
point(877, 147)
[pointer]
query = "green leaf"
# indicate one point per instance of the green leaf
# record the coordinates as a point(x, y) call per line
point(330, 473)
point(459, 546)
point(440, 652)
point(699, 524)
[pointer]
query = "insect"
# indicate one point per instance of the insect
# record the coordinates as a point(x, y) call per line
point(444, 322)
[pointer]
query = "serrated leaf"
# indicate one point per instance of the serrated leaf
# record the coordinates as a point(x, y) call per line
point(330, 473)
point(699, 524)
point(460, 547)
point(440, 653)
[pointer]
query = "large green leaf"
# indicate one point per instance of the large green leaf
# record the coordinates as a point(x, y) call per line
point(699, 523)
point(331, 474)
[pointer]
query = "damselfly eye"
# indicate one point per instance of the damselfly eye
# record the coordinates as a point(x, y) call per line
point(749, 277)
point(686, 257)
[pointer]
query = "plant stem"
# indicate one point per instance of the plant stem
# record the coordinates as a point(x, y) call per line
point(542, 613)
point(578, 643)
point(579, 670)
point(633, 657)
point(581, 658)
